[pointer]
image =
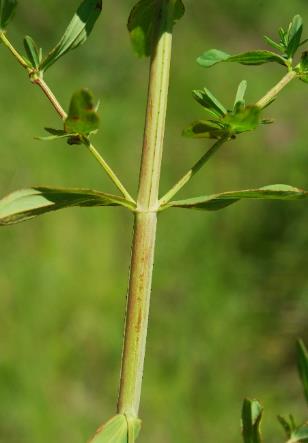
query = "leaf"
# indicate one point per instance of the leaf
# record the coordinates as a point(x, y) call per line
point(142, 21)
point(205, 129)
point(243, 119)
point(213, 56)
point(302, 365)
point(300, 434)
point(82, 117)
point(208, 101)
point(219, 201)
point(287, 427)
point(302, 67)
point(119, 429)
point(56, 134)
point(251, 418)
point(294, 35)
point(239, 98)
point(274, 44)
point(7, 11)
point(34, 54)
point(76, 33)
point(28, 203)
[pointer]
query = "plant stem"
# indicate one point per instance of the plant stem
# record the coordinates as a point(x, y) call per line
point(11, 48)
point(51, 97)
point(138, 301)
point(271, 95)
point(110, 172)
point(189, 175)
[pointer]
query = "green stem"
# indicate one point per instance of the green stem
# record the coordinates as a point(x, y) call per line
point(189, 175)
point(138, 301)
point(51, 97)
point(16, 54)
point(110, 172)
point(272, 94)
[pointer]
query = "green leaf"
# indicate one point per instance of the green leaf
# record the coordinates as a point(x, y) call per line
point(119, 429)
point(213, 56)
point(7, 11)
point(219, 201)
point(294, 35)
point(243, 119)
point(34, 53)
point(82, 117)
point(300, 434)
point(76, 33)
point(208, 101)
point(274, 44)
point(251, 419)
point(28, 203)
point(239, 98)
point(287, 427)
point(142, 20)
point(302, 365)
point(205, 129)
point(302, 67)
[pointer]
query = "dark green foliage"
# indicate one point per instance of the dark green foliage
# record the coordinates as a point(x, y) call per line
point(7, 10)
point(34, 53)
point(82, 117)
point(214, 56)
point(142, 20)
point(302, 365)
point(251, 419)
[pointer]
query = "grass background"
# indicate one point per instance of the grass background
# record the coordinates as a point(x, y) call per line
point(230, 292)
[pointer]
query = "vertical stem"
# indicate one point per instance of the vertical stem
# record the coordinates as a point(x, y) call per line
point(138, 301)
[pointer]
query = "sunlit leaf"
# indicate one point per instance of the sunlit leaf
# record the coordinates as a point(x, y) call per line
point(240, 94)
point(294, 35)
point(251, 419)
point(142, 22)
point(243, 119)
point(119, 429)
point(7, 11)
point(302, 365)
point(208, 101)
point(300, 435)
point(77, 31)
point(224, 199)
point(28, 203)
point(214, 56)
point(82, 116)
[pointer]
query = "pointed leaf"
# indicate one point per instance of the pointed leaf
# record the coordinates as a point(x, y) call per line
point(213, 56)
point(82, 117)
point(33, 52)
point(207, 99)
point(251, 418)
point(205, 129)
point(294, 35)
point(28, 203)
point(302, 365)
point(7, 11)
point(287, 427)
point(274, 44)
point(239, 98)
point(219, 201)
point(141, 23)
point(77, 31)
point(119, 429)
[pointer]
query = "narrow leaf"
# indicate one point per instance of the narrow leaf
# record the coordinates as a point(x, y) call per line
point(7, 11)
point(77, 31)
point(205, 129)
point(119, 429)
point(142, 21)
point(274, 44)
point(251, 418)
point(219, 201)
point(28, 203)
point(294, 35)
point(33, 52)
point(302, 365)
point(300, 435)
point(82, 116)
point(207, 99)
point(285, 425)
point(260, 57)
point(239, 98)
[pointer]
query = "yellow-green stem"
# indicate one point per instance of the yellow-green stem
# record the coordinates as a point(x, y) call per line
point(11, 48)
point(272, 94)
point(138, 300)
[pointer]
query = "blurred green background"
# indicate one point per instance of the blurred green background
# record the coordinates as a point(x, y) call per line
point(230, 291)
